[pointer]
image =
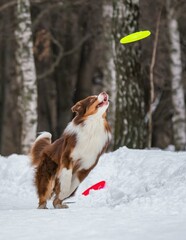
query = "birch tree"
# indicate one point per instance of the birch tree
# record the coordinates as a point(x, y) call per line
point(129, 126)
point(179, 117)
point(26, 74)
point(109, 56)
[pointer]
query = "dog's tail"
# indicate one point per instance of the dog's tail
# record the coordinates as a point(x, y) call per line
point(42, 141)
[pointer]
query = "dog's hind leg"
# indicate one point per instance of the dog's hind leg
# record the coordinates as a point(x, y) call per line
point(45, 181)
point(47, 193)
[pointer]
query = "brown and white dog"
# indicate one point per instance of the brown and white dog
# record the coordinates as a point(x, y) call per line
point(62, 165)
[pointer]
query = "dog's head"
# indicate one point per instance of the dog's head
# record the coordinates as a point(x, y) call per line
point(93, 105)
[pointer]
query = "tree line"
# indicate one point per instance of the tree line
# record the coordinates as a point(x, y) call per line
point(54, 53)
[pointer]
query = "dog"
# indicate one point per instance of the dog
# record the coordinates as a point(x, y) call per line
point(62, 165)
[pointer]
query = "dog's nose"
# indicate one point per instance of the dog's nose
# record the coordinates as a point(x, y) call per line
point(103, 96)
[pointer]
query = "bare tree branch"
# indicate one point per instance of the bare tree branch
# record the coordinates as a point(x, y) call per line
point(55, 5)
point(13, 3)
point(7, 5)
point(44, 13)
point(153, 60)
point(61, 55)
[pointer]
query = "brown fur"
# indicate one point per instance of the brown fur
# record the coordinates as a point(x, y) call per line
point(37, 150)
point(50, 158)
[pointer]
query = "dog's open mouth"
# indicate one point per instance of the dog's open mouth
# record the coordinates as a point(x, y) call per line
point(104, 102)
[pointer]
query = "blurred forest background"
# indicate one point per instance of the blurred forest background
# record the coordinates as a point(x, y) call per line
point(56, 52)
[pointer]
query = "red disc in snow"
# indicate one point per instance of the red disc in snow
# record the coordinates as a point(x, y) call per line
point(96, 186)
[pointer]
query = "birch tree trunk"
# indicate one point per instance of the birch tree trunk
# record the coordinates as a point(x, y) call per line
point(109, 57)
point(179, 114)
point(26, 75)
point(130, 116)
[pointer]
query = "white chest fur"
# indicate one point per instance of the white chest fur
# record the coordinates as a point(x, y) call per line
point(91, 138)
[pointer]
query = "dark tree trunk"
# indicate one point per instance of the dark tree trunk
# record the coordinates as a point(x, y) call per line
point(130, 117)
point(44, 58)
point(66, 73)
point(10, 121)
point(91, 19)
point(81, 60)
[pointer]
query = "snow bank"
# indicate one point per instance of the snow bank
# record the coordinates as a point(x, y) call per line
point(152, 179)
point(148, 179)
point(16, 178)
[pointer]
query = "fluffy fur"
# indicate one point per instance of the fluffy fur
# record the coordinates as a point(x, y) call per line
point(62, 165)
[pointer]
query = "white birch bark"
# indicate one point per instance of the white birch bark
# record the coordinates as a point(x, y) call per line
point(109, 69)
point(179, 117)
point(26, 75)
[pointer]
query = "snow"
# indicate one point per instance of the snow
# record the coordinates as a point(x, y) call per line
point(145, 198)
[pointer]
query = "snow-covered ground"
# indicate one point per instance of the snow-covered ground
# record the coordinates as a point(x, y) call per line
point(145, 198)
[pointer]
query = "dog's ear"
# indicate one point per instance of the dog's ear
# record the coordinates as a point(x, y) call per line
point(77, 108)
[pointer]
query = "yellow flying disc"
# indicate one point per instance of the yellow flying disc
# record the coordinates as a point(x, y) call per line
point(133, 37)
